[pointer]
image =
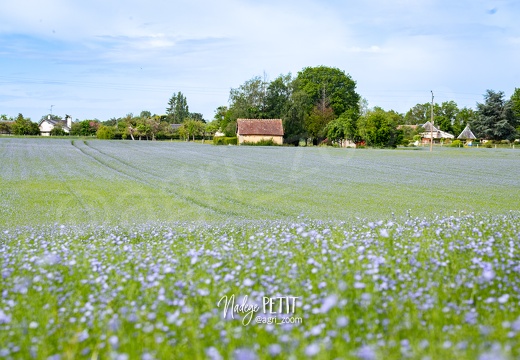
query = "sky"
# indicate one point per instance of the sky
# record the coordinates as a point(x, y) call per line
point(101, 59)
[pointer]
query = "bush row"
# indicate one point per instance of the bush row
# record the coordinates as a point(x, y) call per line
point(223, 140)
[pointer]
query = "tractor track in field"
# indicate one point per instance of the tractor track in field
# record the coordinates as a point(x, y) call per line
point(168, 189)
point(132, 176)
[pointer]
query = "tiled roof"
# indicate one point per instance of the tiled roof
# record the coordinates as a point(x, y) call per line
point(272, 127)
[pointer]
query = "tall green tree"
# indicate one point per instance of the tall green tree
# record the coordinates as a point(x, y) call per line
point(331, 83)
point(278, 96)
point(249, 100)
point(515, 107)
point(316, 122)
point(495, 119)
point(464, 117)
point(294, 118)
point(177, 110)
point(445, 115)
point(418, 115)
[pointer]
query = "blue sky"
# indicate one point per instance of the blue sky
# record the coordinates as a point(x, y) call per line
point(105, 58)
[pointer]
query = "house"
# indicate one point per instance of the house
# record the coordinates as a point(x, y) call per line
point(437, 134)
point(255, 130)
point(466, 134)
point(46, 125)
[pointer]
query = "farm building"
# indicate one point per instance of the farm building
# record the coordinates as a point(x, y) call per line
point(466, 134)
point(438, 135)
point(46, 125)
point(255, 130)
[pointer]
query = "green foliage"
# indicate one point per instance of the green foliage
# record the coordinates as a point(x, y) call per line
point(294, 119)
point(191, 128)
point(306, 104)
point(317, 120)
point(445, 115)
point(331, 83)
point(57, 130)
point(105, 132)
point(197, 116)
point(223, 121)
point(278, 97)
point(495, 119)
point(343, 128)
point(177, 110)
point(84, 128)
point(515, 107)
point(225, 140)
point(212, 127)
point(5, 127)
point(248, 101)
point(418, 115)
point(263, 142)
point(379, 128)
point(464, 116)
point(24, 126)
point(456, 143)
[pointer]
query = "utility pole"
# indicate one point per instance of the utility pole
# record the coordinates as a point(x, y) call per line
point(431, 127)
point(51, 109)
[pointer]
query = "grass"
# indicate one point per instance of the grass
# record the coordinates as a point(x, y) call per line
point(121, 249)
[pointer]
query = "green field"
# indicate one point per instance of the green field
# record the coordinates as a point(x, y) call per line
point(73, 182)
point(123, 250)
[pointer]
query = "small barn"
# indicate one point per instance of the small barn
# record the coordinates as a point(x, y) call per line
point(46, 125)
point(430, 131)
point(255, 130)
point(466, 134)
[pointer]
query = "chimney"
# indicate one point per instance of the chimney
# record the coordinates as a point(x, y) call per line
point(69, 121)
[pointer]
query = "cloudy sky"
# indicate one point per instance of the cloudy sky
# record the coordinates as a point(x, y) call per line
point(106, 58)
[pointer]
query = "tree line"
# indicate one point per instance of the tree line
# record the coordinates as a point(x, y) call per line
point(321, 103)
point(318, 104)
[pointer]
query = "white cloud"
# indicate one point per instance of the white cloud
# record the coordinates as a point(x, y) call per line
point(203, 48)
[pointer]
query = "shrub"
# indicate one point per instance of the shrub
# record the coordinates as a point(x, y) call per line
point(224, 140)
point(488, 145)
point(58, 131)
point(263, 142)
point(456, 143)
point(105, 132)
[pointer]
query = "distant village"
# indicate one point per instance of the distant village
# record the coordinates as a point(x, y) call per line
point(317, 107)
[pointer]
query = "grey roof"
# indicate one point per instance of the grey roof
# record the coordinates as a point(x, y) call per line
point(466, 134)
point(427, 126)
point(437, 134)
point(63, 123)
